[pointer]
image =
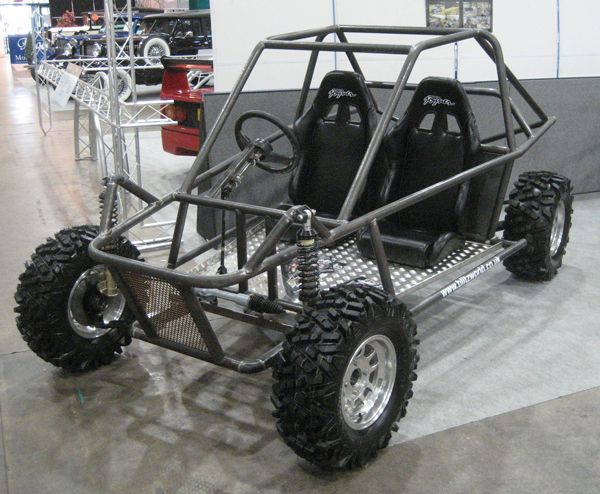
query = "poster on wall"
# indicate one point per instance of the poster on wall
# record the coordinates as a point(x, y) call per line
point(460, 13)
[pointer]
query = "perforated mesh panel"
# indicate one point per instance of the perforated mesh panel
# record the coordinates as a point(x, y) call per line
point(165, 308)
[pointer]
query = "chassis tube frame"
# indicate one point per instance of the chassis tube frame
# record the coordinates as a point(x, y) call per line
point(261, 261)
point(266, 258)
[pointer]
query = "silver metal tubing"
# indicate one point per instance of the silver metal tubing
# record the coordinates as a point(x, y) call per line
point(358, 183)
point(240, 299)
point(158, 224)
point(135, 189)
point(272, 238)
point(202, 157)
point(259, 262)
point(215, 170)
point(154, 245)
point(253, 366)
point(487, 265)
point(346, 28)
point(310, 71)
point(264, 259)
point(381, 258)
point(307, 33)
point(338, 47)
point(203, 200)
point(135, 219)
point(110, 196)
point(212, 243)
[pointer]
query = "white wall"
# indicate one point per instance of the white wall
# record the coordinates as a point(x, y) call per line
point(439, 62)
point(579, 38)
point(239, 24)
point(528, 33)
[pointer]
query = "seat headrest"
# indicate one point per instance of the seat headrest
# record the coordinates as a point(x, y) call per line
point(443, 96)
point(343, 87)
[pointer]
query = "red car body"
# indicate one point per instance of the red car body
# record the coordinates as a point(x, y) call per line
point(185, 138)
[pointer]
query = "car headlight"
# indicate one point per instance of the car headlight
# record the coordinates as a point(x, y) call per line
point(68, 49)
point(95, 50)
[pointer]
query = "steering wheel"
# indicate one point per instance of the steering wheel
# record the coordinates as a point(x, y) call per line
point(270, 161)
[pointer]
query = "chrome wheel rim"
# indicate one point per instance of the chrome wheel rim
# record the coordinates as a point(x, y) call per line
point(558, 228)
point(121, 86)
point(368, 382)
point(155, 53)
point(111, 308)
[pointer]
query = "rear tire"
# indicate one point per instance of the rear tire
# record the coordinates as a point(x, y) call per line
point(356, 348)
point(43, 297)
point(539, 209)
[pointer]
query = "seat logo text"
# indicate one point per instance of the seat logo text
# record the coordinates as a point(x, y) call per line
point(463, 280)
point(433, 100)
point(336, 93)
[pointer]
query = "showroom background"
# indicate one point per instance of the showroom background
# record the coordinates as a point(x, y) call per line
point(552, 43)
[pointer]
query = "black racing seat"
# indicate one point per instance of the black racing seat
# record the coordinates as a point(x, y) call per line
point(333, 134)
point(436, 139)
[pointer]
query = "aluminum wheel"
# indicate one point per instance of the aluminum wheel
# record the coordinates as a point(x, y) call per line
point(558, 228)
point(368, 382)
point(90, 311)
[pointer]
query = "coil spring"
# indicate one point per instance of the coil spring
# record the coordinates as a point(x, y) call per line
point(114, 215)
point(308, 266)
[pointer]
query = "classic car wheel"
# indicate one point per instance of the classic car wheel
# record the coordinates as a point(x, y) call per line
point(345, 376)
point(154, 49)
point(124, 85)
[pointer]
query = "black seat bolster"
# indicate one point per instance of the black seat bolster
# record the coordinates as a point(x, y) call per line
point(412, 247)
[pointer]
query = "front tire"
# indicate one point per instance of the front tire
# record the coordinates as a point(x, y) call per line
point(77, 338)
point(345, 376)
point(539, 209)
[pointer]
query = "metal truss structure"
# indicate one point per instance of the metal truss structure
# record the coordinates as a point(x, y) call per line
point(106, 129)
point(39, 53)
point(95, 96)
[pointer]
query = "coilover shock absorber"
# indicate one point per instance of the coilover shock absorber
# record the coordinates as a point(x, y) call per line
point(308, 259)
point(114, 214)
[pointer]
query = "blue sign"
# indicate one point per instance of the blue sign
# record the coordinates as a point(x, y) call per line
point(16, 45)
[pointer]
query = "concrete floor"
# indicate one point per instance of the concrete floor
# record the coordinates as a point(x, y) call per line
point(506, 400)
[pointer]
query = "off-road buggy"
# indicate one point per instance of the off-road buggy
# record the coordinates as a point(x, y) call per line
point(379, 206)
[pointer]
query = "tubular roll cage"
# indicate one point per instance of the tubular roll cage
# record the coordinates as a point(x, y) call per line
point(266, 258)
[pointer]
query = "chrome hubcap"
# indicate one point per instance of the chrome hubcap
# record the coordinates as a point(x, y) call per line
point(368, 382)
point(156, 51)
point(87, 305)
point(558, 228)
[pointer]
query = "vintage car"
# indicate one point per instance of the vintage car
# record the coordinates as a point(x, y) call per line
point(158, 35)
point(85, 43)
point(182, 33)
